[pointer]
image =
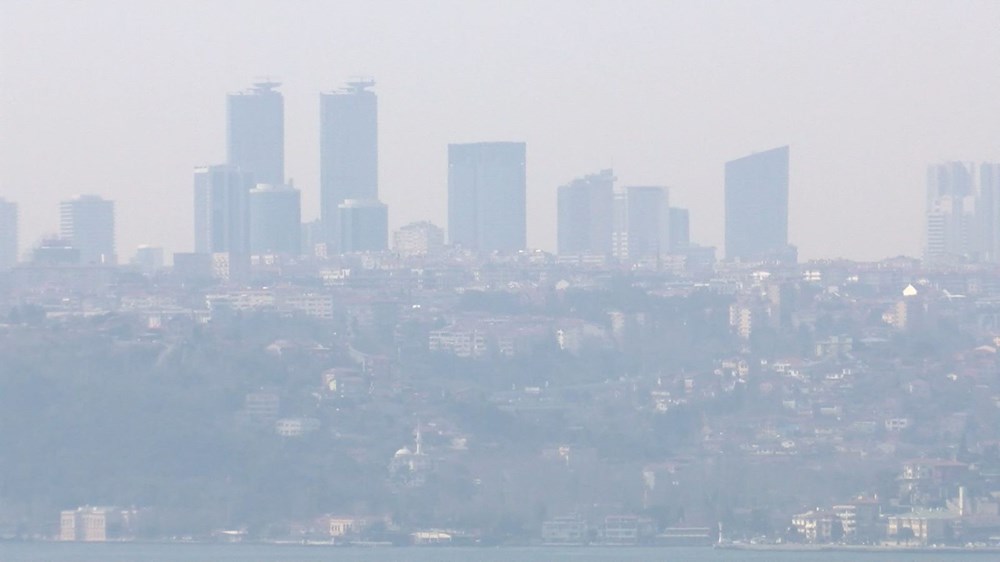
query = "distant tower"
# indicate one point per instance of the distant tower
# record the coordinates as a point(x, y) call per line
point(486, 196)
point(8, 234)
point(275, 220)
point(222, 210)
point(950, 227)
point(255, 132)
point(88, 223)
point(585, 215)
point(642, 222)
point(680, 230)
point(348, 146)
point(989, 211)
point(364, 226)
point(757, 206)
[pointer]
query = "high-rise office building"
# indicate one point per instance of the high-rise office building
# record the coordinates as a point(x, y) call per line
point(680, 230)
point(8, 233)
point(222, 210)
point(963, 212)
point(584, 221)
point(88, 223)
point(486, 196)
point(989, 211)
point(348, 145)
point(255, 132)
point(642, 222)
point(951, 231)
point(275, 220)
point(364, 226)
point(757, 206)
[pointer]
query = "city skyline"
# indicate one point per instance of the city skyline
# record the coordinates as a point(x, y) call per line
point(864, 128)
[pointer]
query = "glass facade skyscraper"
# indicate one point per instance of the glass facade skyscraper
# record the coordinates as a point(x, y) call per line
point(585, 215)
point(486, 196)
point(348, 145)
point(88, 223)
point(222, 210)
point(757, 206)
point(255, 132)
point(275, 220)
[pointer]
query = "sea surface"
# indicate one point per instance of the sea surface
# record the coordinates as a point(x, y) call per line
point(133, 552)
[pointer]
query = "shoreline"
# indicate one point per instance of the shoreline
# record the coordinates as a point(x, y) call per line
point(855, 548)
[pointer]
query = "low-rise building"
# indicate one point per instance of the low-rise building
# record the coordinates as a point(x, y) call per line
point(565, 530)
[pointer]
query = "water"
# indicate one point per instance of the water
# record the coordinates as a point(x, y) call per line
point(132, 552)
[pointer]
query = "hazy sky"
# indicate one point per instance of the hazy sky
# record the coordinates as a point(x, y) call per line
point(123, 98)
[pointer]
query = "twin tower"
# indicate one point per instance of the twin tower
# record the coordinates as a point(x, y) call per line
point(245, 206)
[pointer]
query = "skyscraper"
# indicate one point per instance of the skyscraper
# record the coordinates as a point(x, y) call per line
point(8, 234)
point(275, 220)
point(222, 210)
point(255, 132)
point(951, 212)
point(680, 230)
point(757, 206)
point(585, 215)
point(963, 212)
point(989, 211)
point(88, 223)
point(486, 196)
point(642, 222)
point(348, 146)
point(364, 226)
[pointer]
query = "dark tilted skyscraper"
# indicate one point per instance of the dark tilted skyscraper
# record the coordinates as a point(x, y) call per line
point(255, 132)
point(757, 206)
point(486, 196)
point(348, 147)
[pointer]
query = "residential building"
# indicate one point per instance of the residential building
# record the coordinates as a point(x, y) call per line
point(255, 132)
point(88, 223)
point(816, 526)
point(585, 215)
point(756, 194)
point(95, 524)
point(486, 196)
point(418, 239)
